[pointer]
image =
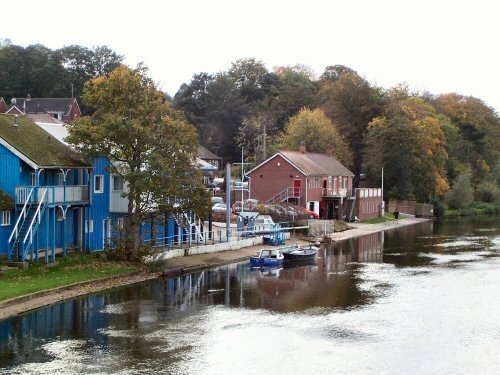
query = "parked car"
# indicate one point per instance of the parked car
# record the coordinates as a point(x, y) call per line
point(219, 207)
point(217, 200)
point(312, 214)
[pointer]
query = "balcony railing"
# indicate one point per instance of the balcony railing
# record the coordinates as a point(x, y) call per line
point(55, 194)
point(328, 192)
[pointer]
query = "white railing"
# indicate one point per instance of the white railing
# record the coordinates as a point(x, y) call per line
point(55, 194)
point(285, 194)
point(36, 217)
point(22, 215)
point(329, 192)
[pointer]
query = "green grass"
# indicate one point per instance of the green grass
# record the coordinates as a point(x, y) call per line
point(71, 269)
point(387, 217)
point(477, 209)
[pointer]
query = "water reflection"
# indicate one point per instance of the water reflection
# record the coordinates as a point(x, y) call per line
point(376, 291)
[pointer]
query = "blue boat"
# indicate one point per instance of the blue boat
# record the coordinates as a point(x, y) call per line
point(267, 257)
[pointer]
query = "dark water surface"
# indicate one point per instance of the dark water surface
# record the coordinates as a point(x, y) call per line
point(417, 300)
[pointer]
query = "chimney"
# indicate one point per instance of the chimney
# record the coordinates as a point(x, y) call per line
point(302, 148)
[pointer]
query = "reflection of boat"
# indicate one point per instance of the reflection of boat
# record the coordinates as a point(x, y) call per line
point(300, 254)
point(268, 271)
point(308, 262)
point(267, 257)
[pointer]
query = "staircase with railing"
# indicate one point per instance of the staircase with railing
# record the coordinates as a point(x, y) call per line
point(21, 238)
point(192, 225)
point(285, 195)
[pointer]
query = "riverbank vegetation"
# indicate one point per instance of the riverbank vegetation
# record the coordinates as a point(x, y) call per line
point(68, 270)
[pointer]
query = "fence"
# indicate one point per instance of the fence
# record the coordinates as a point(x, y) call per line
point(411, 208)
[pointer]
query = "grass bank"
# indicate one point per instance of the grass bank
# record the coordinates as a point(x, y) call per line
point(477, 209)
point(69, 270)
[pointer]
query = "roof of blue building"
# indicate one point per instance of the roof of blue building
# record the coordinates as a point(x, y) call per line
point(38, 146)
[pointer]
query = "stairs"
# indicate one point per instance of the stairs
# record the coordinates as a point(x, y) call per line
point(192, 227)
point(21, 238)
point(285, 195)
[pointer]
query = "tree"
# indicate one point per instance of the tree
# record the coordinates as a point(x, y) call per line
point(351, 103)
point(149, 144)
point(318, 133)
point(333, 73)
point(31, 70)
point(5, 42)
point(82, 64)
point(248, 75)
point(409, 143)
point(461, 194)
point(479, 130)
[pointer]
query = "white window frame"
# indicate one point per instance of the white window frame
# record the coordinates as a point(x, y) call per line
point(101, 178)
point(89, 226)
point(120, 178)
point(5, 218)
point(33, 178)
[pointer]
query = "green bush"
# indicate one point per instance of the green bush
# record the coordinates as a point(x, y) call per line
point(487, 192)
point(461, 194)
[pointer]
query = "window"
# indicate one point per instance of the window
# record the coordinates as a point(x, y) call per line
point(98, 184)
point(5, 218)
point(89, 226)
point(33, 179)
point(117, 182)
point(119, 223)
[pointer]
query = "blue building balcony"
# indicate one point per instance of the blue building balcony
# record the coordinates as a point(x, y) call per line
point(55, 195)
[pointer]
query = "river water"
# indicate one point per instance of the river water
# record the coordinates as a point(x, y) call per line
point(413, 300)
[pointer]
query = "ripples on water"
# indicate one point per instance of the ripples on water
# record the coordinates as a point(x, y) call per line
point(427, 304)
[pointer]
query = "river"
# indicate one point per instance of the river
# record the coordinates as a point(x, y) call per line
point(414, 300)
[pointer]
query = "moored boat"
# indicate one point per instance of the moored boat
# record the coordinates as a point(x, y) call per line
point(300, 254)
point(267, 257)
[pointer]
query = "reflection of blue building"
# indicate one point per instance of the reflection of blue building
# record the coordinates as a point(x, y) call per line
point(52, 201)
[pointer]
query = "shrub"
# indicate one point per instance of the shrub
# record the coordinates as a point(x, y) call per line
point(461, 194)
point(487, 192)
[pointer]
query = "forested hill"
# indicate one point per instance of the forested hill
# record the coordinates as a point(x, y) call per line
point(424, 141)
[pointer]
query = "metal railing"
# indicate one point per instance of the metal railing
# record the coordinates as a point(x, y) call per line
point(329, 192)
point(55, 194)
point(285, 194)
point(22, 215)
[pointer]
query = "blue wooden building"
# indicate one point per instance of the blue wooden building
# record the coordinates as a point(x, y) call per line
point(52, 201)
point(45, 191)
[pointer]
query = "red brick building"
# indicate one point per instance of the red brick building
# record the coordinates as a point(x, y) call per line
point(315, 181)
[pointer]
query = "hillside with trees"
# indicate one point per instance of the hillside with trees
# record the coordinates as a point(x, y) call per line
point(424, 142)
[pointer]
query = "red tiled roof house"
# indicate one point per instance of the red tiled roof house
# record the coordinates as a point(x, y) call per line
point(315, 181)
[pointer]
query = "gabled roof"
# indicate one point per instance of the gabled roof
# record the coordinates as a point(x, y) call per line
point(35, 146)
point(6, 202)
point(317, 164)
point(44, 105)
point(311, 164)
point(204, 153)
point(3, 105)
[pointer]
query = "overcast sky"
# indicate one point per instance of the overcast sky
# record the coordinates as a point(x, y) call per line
point(435, 45)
